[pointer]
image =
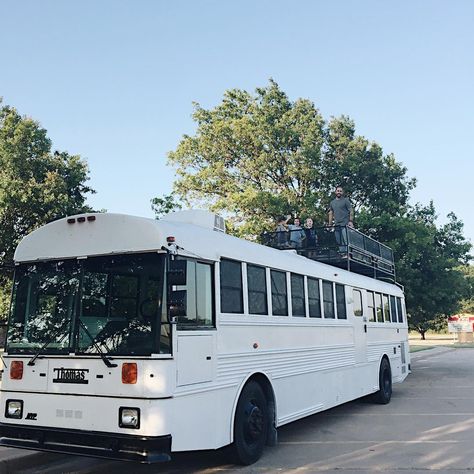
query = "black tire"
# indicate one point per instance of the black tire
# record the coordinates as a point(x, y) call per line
point(384, 393)
point(250, 425)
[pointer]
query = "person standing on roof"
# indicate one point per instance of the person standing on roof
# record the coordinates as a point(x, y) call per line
point(341, 215)
point(340, 210)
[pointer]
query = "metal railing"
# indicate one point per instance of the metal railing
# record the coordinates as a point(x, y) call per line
point(341, 246)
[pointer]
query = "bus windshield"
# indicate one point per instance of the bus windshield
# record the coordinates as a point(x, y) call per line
point(118, 300)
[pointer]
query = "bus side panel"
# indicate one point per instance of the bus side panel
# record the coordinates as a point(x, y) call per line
point(202, 420)
point(304, 395)
point(387, 341)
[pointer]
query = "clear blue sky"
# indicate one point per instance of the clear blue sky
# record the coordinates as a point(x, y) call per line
point(113, 81)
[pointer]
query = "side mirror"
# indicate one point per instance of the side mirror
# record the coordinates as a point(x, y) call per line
point(176, 274)
point(177, 304)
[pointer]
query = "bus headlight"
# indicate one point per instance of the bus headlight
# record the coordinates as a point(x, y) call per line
point(129, 417)
point(14, 409)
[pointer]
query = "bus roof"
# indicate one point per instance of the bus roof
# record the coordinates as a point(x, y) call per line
point(96, 234)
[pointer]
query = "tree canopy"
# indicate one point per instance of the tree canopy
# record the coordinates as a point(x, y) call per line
point(37, 185)
point(467, 304)
point(256, 156)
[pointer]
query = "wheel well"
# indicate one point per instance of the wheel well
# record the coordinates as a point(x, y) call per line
point(263, 381)
point(385, 356)
point(267, 388)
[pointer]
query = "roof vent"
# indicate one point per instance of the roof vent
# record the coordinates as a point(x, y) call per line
point(219, 223)
point(198, 217)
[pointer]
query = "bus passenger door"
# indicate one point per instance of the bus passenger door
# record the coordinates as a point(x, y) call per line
point(360, 327)
point(195, 328)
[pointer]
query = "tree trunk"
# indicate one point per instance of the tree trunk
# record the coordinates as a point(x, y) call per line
point(422, 332)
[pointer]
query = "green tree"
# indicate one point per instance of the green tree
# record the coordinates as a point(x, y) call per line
point(164, 205)
point(256, 156)
point(36, 186)
point(467, 304)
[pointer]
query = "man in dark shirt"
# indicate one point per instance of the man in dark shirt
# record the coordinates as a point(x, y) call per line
point(340, 210)
point(341, 214)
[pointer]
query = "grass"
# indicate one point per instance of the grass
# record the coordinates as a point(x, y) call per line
point(419, 348)
point(461, 345)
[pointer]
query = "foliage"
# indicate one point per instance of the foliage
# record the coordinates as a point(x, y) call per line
point(164, 205)
point(258, 156)
point(36, 186)
point(427, 262)
point(467, 304)
point(254, 157)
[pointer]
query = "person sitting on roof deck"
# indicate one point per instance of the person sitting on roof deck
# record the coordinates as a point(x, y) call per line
point(297, 234)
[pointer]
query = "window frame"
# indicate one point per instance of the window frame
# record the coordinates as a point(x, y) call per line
point(279, 294)
point(393, 309)
point(378, 308)
point(343, 287)
point(359, 291)
point(333, 300)
point(401, 315)
point(303, 297)
point(242, 307)
point(371, 308)
point(321, 310)
point(260, 267)
point(387, 317)
point(189, 326)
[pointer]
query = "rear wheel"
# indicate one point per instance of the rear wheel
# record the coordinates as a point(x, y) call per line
point(250, 425)
point(384, 393)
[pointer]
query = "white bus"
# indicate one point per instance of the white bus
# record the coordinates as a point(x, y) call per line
point(131, 338)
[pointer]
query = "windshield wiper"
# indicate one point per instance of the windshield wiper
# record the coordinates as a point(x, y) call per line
point(49, 341)
point(94, 343)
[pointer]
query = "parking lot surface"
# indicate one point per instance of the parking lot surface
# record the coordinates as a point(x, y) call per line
point(428, 426)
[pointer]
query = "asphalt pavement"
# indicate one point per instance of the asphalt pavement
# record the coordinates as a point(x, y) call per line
point(428, 426)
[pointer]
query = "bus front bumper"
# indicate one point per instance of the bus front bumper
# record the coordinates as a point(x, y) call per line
point(143, 449)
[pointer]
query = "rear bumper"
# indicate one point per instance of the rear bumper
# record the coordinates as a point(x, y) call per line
point(143, 449)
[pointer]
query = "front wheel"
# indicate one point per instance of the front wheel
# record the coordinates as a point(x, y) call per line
point(250, 425)
point(384, 393)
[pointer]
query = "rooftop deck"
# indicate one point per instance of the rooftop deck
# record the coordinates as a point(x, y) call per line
point(340, 246)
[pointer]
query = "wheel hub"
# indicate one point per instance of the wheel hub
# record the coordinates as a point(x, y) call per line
point(255, 421)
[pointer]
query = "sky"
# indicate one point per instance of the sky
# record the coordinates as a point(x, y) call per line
point(114, 81)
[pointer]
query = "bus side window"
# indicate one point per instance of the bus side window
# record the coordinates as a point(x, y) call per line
point(371, 306)
point(231, 287)
point(399, 309)
point(357, 302)
point(198, 296)
point(386, 308)
point(378, 307)
point(341, 302)
point(279, 293)
point(328, 300)
point(314, 298)
point(393, 308)
point(297, 295)
point(257, 289)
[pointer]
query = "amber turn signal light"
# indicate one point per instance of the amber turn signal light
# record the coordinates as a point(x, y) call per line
point(16, 370)
point(129, 372)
